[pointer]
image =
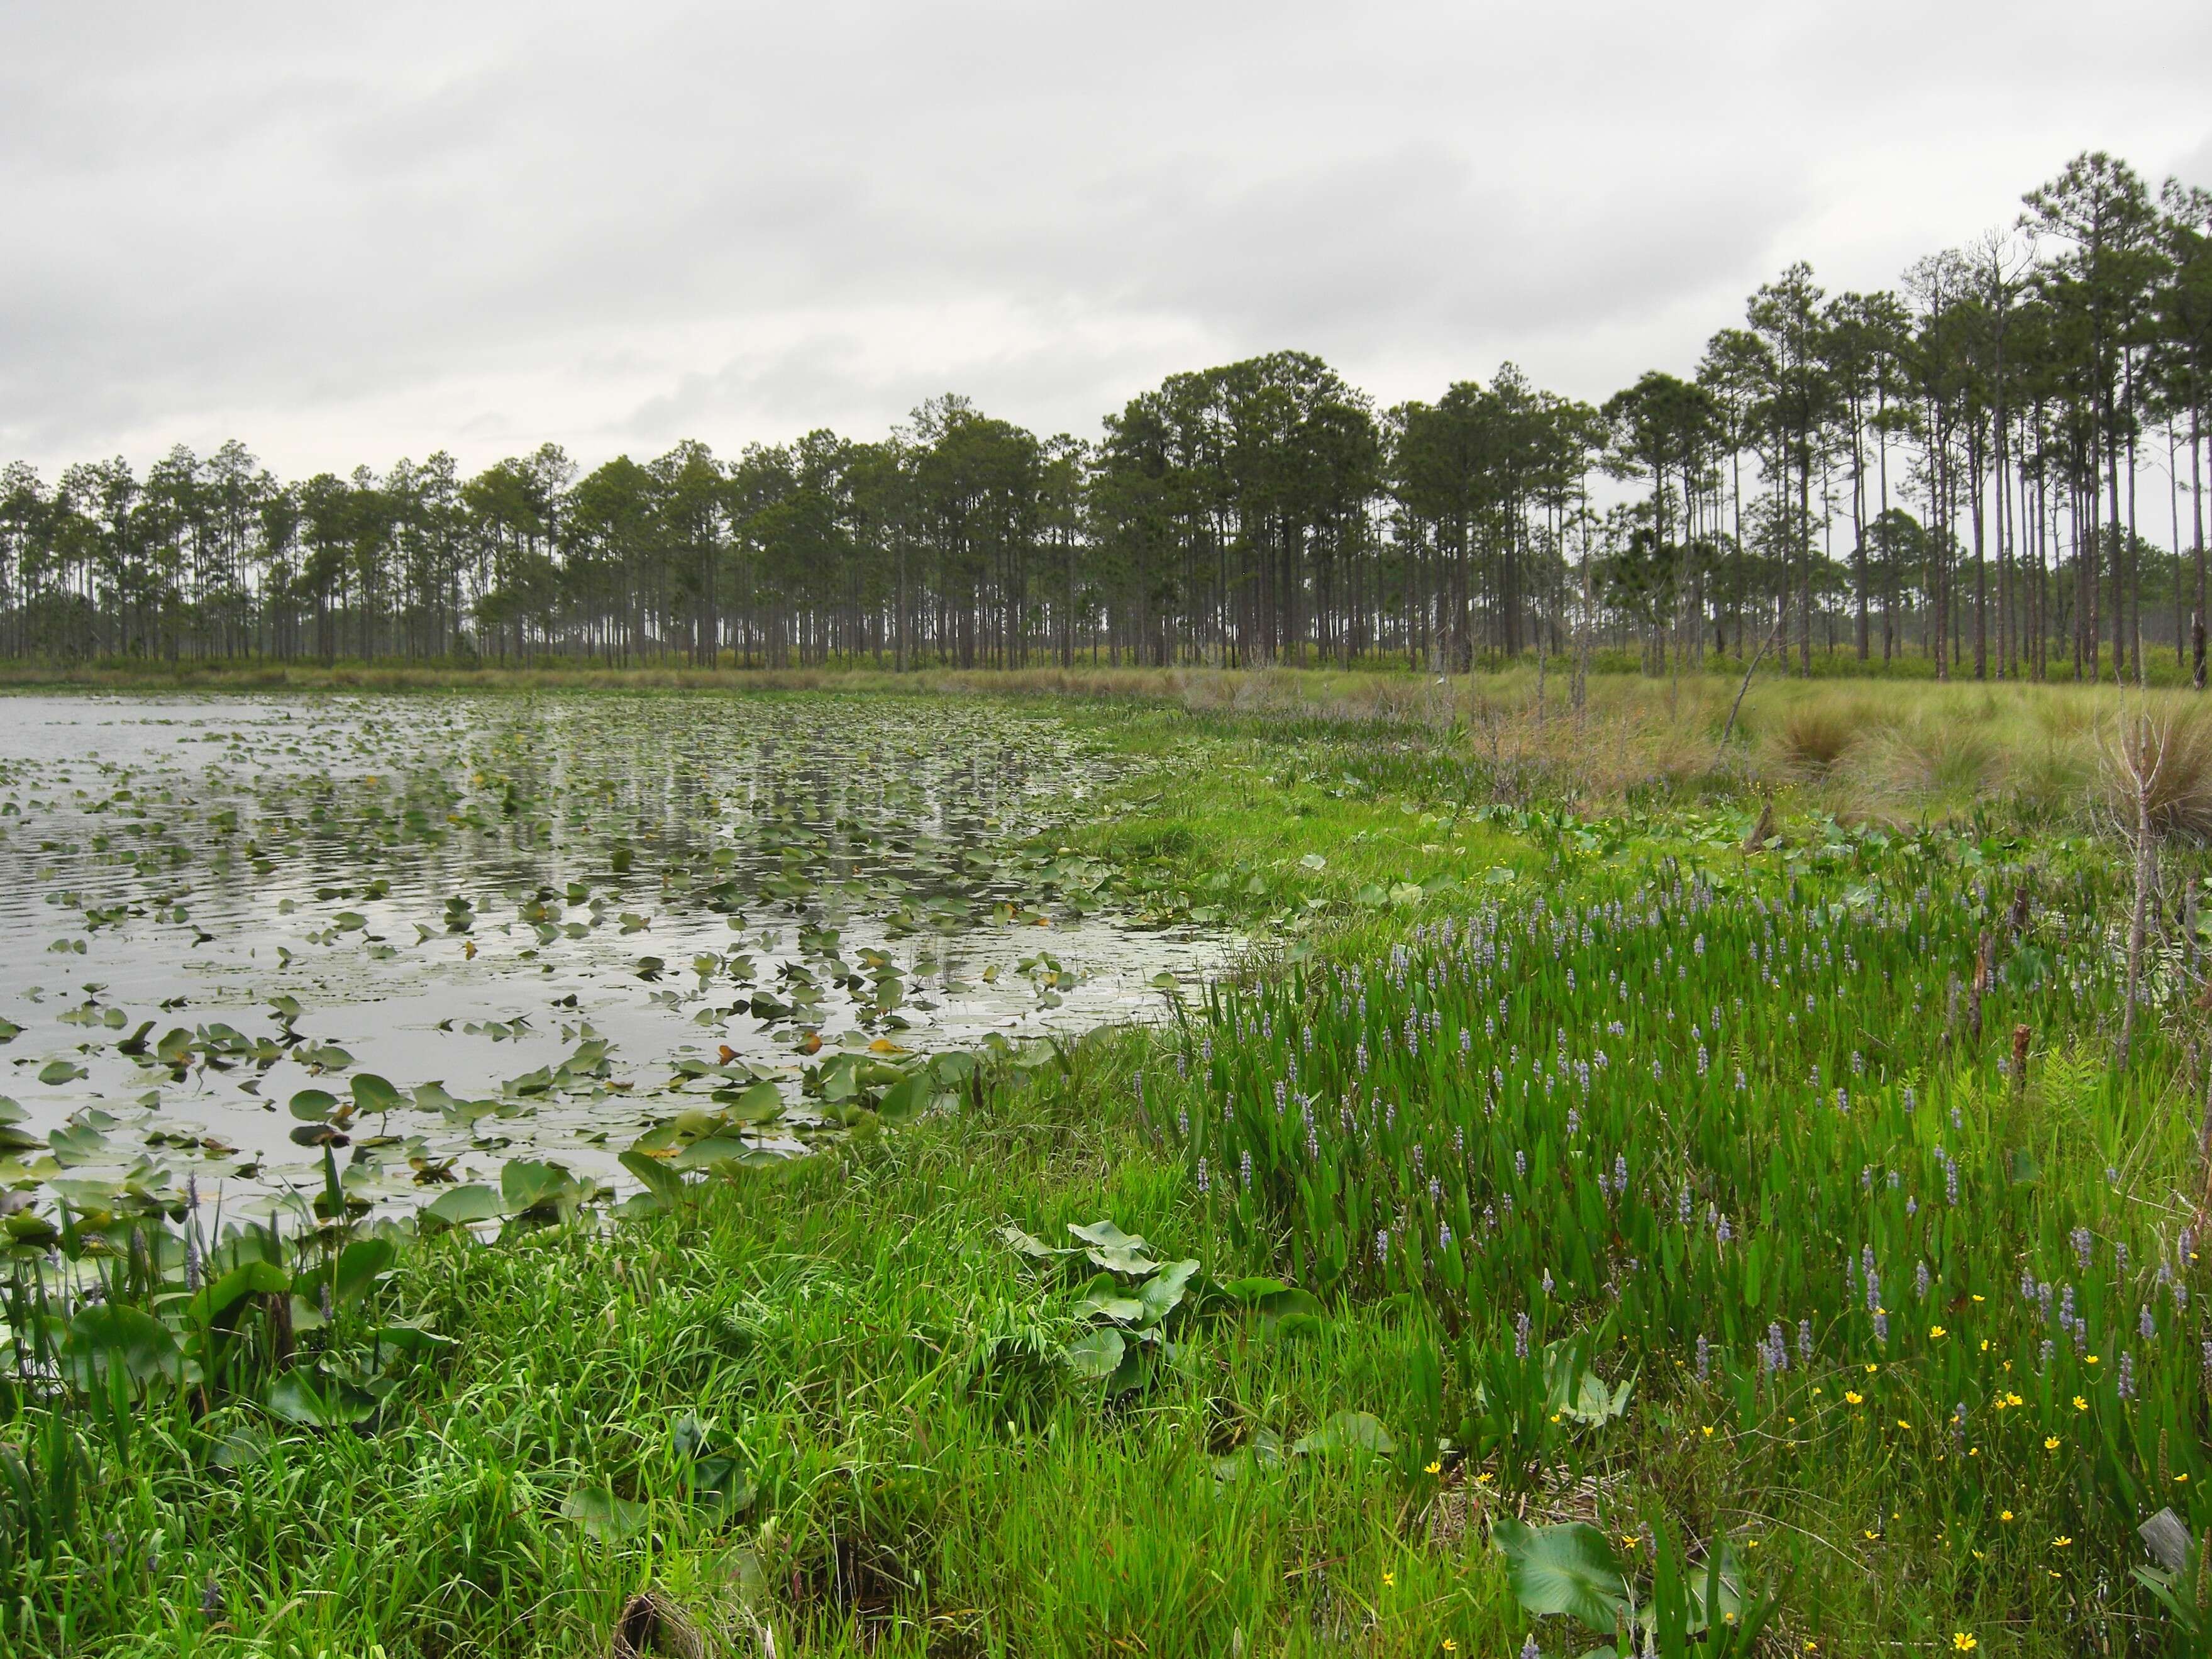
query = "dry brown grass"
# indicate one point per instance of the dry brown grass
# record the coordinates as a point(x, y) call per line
point(1807, 738)
point(2158, 767)
point(1897, 750)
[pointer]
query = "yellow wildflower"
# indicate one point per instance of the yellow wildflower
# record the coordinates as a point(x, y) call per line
point(1937, 1332)
point(2079, 1404)
point(1436, 1466)
point(2050, 1442)
point(1962, 1642)
point(1852, 1396)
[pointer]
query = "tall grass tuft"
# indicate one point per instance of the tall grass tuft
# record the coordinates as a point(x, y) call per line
point(1808, 738)
point(2158, 771)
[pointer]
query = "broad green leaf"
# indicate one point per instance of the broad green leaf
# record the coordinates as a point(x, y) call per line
point(1102, 1299)
point(463, 1205)
point(526, 1184)
point(251, 1278)
point(314, 1105)
point(371, 1093)
point(1096, 1355)
point(1036, 1248)
point(1568, 1570)
point(905, 1100)
point(1112, 1249)
point(759, 1104)
point(604, 1516)
point(109, 1336)
point(1164, 1289)
point(410, 1338)
point(361, 1264)
point(663, 1182)
point(714, 1150)
point(79, 1143)
point(1347, 1430)
point(432, 1097)
point(319, 1402)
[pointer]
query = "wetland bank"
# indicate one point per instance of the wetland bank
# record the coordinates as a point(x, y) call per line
point(1530, 1209)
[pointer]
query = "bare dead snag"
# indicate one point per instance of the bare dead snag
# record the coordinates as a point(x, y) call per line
point(1762, 831)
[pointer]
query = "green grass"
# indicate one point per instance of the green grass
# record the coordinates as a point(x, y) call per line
point(929, 1475)
point(851, 1328)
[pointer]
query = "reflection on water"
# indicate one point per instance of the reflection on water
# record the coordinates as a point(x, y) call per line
point(524, 913)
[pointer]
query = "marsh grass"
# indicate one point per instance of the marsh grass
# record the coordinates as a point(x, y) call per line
point(931, 1480)
point(1901, 748)
point(851, 1329)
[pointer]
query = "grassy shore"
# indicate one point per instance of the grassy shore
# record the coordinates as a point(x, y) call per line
point(1898, 750)
point(836, 1408)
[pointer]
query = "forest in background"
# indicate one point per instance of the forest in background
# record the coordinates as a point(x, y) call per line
point(1994, 470)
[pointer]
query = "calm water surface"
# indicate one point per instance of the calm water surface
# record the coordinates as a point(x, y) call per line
point(524, 913)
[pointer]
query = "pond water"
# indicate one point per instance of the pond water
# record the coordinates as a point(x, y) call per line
point(438, 934)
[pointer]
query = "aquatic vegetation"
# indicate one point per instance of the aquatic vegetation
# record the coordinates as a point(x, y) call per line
point(1789, 1139)
point(527, 915)
point(1617, 1222)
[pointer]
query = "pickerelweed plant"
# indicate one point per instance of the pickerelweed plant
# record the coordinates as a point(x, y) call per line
point(1822, 1150)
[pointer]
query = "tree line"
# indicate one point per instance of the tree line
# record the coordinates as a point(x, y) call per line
point(1964, 471)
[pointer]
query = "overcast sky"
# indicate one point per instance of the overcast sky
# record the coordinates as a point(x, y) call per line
point(351, 234)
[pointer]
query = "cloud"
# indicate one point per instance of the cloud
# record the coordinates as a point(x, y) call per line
point(348, 235)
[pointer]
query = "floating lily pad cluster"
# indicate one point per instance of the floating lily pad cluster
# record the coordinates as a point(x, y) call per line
point(433, 935)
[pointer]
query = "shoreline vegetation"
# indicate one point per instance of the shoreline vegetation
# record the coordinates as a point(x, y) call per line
point(1606, 1211)
point(1888, 749)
